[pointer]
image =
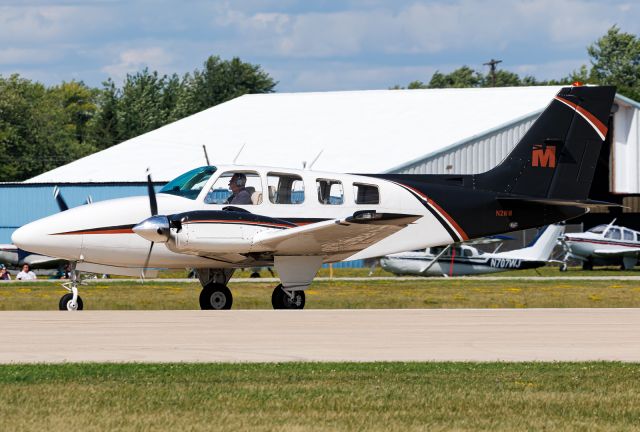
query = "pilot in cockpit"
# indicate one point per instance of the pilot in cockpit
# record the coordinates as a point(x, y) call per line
point(239, 192)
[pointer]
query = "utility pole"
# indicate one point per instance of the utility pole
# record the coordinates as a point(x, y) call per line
point(492, 64)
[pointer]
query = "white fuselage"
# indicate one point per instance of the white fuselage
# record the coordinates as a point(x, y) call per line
point(100, 233)
point(467, 260)
point(604, 245)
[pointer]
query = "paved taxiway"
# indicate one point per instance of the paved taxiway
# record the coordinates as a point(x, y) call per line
point(321, 335)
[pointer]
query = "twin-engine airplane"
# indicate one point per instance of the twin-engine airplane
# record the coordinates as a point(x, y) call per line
point(604, 245)
point(464, 259)
point(296, 220)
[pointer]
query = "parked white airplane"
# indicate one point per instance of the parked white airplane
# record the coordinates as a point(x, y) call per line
point(464, 259)
point(297, 220)
point(604, 245)
point(12, 256)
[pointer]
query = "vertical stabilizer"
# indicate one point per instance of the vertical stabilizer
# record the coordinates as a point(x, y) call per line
point(542, 246)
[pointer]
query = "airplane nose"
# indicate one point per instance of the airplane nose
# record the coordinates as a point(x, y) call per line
point(24, 237)
point(36, 237)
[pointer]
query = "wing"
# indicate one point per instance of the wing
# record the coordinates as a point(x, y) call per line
point(617, 252)
point(338, 238)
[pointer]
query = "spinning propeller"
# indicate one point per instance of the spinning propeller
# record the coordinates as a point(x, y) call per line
point(156, 228)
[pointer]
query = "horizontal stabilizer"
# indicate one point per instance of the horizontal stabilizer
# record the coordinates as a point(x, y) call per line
point(560, 202)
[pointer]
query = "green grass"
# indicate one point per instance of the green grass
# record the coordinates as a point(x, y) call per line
point(321, 396)
point(551, 270)
point(420, 293)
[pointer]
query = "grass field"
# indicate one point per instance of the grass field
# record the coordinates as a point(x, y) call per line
point(421, 293)
point(321, 396)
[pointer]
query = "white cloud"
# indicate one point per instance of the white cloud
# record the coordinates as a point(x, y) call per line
point(133, 60)
point(427, 27)
point(46, 24)
point(11, 55)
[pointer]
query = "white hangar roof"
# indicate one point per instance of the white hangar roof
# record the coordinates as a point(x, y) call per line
point(357, 131)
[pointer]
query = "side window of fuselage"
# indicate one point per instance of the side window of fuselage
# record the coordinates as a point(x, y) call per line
point(366, 194)
point(330, 192)
point(628, 235)
point(248, 188)
point(613, 234)
point(285, 188)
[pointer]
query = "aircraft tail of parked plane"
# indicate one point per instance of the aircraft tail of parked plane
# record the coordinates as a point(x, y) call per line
point(464, 259)
point(542, 246)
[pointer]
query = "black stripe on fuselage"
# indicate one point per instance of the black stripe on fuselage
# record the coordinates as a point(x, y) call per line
point(208, 216)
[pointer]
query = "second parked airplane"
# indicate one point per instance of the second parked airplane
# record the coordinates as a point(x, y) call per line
point(463, 260)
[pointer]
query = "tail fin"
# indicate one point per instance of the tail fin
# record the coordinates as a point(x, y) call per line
point(556, 158)
point(542, 246)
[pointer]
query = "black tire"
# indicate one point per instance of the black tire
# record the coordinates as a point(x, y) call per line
point(280, 299)
point(215, 297)
point(587, 265)
point(66, 299)
point(563, 267)
point(254, 275)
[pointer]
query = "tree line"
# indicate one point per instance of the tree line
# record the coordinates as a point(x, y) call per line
point(44, 127)
point(614, 57)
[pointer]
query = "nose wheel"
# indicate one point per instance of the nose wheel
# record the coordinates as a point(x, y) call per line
point(68, 304)
point(72, 301)
point(287, 299)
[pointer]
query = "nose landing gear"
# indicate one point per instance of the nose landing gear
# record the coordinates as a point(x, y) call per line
point(72, 301)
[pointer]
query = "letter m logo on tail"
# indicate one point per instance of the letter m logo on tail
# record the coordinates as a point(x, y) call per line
point(544, 157)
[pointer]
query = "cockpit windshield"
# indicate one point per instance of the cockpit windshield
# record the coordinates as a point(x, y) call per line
point(189, 184)
point(598, 229)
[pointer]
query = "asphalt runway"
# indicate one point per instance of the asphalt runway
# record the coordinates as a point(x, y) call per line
point(320, 335)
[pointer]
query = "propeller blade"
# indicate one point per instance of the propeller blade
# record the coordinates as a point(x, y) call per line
point(59, 199)
point(152, 195)
point(146, 262)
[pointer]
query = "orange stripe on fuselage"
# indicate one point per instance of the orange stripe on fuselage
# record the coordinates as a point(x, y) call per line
point(106, 231)
point(446, 215)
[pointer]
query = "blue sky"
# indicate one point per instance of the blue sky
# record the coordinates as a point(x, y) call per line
point(305, 45)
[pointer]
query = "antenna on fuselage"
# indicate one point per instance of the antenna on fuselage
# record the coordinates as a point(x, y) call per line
point(206, 156)
point(238, 154)
point(314, 161)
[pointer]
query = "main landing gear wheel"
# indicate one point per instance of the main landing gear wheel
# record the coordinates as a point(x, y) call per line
point(66, 303)
point(563, 267)
point(280, 299)
point(215, 297)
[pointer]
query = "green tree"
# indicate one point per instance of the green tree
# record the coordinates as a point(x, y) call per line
point(616, 60)
point(142, 105)
point(79, 104)
point(37, 132)
point(503, 78)
point(459, 78)
point(220, 81)
point(104, 129)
